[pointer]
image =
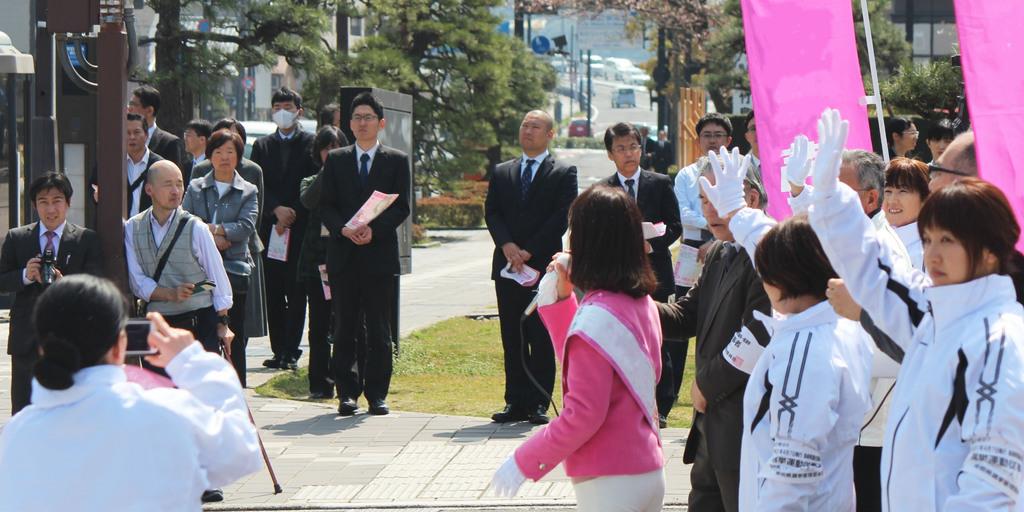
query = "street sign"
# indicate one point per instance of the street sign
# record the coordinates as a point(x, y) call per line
point(204, 25)
point(505, 27)
point(541, 45)
point(248, 83)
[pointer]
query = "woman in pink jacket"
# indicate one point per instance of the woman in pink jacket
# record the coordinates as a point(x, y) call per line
point(609, 345)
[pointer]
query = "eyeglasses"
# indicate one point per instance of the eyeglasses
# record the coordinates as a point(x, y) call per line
point(633, 148)
point(713, 135)
point(912, 133)
point(932, 169)
point(369, 118)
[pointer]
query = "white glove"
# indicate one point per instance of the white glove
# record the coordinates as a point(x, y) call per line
point(797, 161)
point(727, 193)
point(508, 479)
point(832, 132)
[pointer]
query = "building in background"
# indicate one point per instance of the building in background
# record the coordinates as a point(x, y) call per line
point(930, 27)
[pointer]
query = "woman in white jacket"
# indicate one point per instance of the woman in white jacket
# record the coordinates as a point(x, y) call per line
point(906, 188)
point(955, 432)
point(809, 390)
point(92, 441)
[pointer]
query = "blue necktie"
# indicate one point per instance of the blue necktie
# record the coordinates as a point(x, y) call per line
point(527, 177)
point(630, 190)
point(364, 169)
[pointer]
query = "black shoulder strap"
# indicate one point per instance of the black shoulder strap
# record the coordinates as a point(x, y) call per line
point(167, 253)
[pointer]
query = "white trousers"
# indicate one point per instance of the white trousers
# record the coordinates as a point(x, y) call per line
point(621, 493)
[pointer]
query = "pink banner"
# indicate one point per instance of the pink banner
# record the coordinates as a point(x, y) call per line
point(802, 58)
point(991, 51)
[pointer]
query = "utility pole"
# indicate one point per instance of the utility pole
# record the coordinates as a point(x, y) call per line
point(42, 136)
point(661, 77)
point(112, 95)
point(518, 20)
point(590, 96)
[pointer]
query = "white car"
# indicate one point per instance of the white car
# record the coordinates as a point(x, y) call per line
point(637, 77)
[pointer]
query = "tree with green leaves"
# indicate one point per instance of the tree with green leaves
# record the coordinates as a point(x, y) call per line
point(929, 90)
point(724, 61)
point(470, 84)
point(245, 33)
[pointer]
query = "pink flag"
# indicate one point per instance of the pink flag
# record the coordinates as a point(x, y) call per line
point(991, 44)
point(802, 58)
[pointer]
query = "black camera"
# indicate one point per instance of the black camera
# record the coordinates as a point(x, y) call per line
point(46, 269)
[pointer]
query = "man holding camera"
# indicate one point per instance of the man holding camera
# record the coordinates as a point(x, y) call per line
point(34, 256)
point(174, 264)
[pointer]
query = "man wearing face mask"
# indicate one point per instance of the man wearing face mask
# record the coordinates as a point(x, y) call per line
point(285, 158)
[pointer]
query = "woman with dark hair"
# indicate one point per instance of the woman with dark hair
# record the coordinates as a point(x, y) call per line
point(312, 269)
point(609, 344)
point(809, 389)
point(955, 433)
point(228, 204)
point(93, 441)
point(906, 188)
point(901, 135)
point(256, 299)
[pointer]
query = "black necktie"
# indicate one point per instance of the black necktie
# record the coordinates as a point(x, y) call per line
point(364, 169)
point(527, 177)
point(629, 188)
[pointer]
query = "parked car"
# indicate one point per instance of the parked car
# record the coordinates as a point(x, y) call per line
point(580, 128)
point(624, 98)
point(560, 64)
point(637, 77)
point(597, 67)
point(618, 68)
point(255, 130)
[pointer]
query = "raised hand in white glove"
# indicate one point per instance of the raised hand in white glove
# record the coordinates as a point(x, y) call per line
point(832, 132)
point(726, 195)
point(797, 162)
point(508, 479)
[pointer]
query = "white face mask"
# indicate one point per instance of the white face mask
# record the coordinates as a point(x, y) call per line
point(284, 119)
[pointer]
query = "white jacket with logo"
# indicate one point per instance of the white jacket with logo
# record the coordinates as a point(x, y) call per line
point(954, 438)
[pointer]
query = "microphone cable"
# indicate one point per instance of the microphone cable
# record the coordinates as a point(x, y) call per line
point(522, 358)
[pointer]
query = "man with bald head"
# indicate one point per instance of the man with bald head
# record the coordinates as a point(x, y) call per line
point(527, 211)
point(173, 261)
point(957, 161)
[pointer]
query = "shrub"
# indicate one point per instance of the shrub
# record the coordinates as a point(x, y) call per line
point(450, 212)
point(419, 234)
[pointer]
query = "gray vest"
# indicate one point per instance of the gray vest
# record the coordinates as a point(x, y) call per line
point(182, 266)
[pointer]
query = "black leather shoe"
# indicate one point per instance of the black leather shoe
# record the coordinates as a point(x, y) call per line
point(348, 406)
point(213, 496)
point(508, 414)
point(539, 416)
point(273, 362)
point(379, 407)
point(662, 421)
point(290, 363)
point(321, 395)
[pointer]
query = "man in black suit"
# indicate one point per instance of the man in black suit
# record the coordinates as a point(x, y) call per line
point(362, 261)
point(657, 201)
point(720, 304)
point(285, 159)
point(662, 153)
point(145, 101)
point(74, 249)
point(527, 211)
point(197, 132)
point(140, 159)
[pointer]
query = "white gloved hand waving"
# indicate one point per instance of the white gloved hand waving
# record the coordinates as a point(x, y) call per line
point(508, 479)
point(727, 193)
point(832, 132)
point(797, 161)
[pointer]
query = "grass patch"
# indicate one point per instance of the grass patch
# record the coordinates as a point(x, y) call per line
point(454, 367)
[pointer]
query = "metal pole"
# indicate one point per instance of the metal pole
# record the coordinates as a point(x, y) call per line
point(13, 161)
point(875, 98)
point(43, 131)
point(112, 95)
point(590, 96)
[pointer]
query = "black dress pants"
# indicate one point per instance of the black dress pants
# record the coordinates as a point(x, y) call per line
point(21, 379)
point(534, 347)
point(673, 355)
point(241, 341)
point(286, 304)
point(353, 291)
point(867, 480)
point(320, 378)
point(712, 489)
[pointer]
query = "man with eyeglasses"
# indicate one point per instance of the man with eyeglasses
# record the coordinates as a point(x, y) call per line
point(714, 131)
point(285, 159)
point(957, 161)
point(657, 202)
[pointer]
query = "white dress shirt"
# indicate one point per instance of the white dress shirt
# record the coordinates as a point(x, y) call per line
point(150, 131)
point(687, 189)
point(196, 160)
point(107, 444)
point(42, 246)
point(359, 156)
point(135, 169)
point(636, 182)
point(537, 160)
point(203, 248)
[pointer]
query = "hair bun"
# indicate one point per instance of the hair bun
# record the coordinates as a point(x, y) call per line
point(59, 362)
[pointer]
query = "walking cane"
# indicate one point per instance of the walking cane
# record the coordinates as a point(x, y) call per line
point(226, 353)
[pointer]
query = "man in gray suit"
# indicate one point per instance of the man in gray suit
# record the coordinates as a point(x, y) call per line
point(74, 250)
point(719, 305)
